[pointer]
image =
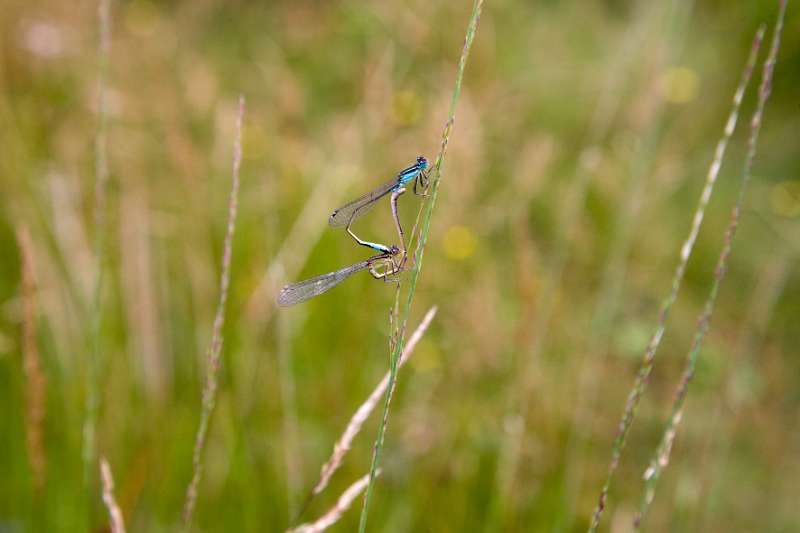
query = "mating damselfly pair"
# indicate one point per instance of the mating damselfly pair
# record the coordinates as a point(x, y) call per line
point(389, 261)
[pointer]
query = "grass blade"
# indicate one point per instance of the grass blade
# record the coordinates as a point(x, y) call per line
point(215, 348)
point(662, 454)
point(436, 177)
point(342, 446)
point(640, 383)
point(114, 513)
point(100, 185)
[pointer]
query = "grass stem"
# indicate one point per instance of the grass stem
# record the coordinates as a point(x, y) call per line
point(436, 176)
point(116, 522)
point(215, 348)
point(100, 186)
point(661, 457)
point(640, 383)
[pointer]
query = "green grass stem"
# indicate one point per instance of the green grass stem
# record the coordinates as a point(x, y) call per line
point(427, 210)
point(640, 383)
point(215, 348)
point(662, 454)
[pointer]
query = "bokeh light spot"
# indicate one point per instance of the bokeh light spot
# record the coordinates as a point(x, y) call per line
point(426, 356)
point(44, 39)
point(785, 198)
point(459, 242)
point(406, 108)
point(679, 85)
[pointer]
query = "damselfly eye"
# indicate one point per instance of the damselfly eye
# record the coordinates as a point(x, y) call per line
point(421, 161)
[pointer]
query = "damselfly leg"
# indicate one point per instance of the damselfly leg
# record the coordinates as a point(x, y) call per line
point(384, 268)
point(387, 267)
point(422, 181)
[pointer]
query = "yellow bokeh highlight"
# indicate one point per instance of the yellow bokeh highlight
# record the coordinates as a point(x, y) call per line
point(426, 356)
point(785, 198)
point(679, 85)
point(459, 242)
point(406, 108)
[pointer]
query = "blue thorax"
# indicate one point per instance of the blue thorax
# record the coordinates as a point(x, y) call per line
point(410, 173)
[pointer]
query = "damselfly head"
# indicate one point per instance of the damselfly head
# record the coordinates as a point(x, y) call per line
point(394, 250)
point(422, 162)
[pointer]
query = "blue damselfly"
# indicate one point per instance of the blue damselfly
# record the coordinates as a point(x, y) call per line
point(345, 215)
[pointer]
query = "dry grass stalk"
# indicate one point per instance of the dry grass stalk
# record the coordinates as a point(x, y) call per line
point(342, 446)
point(114, 513)
point(35, 381)
point(336, 512)
point(642, 377)
point(100, 185)
point(664, 449)
point(214, 350)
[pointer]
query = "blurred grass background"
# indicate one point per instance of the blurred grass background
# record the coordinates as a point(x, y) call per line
point(580, 147)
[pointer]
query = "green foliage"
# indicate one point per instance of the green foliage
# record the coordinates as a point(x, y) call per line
point(340, 97)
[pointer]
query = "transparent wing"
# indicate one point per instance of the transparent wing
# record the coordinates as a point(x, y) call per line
point(350, 211)
point(301, 291)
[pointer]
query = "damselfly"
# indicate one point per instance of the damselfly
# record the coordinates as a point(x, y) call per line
point(345, 215)
point(381, 266)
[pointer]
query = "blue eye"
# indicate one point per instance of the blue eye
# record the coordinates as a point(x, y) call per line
point(421, 161)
